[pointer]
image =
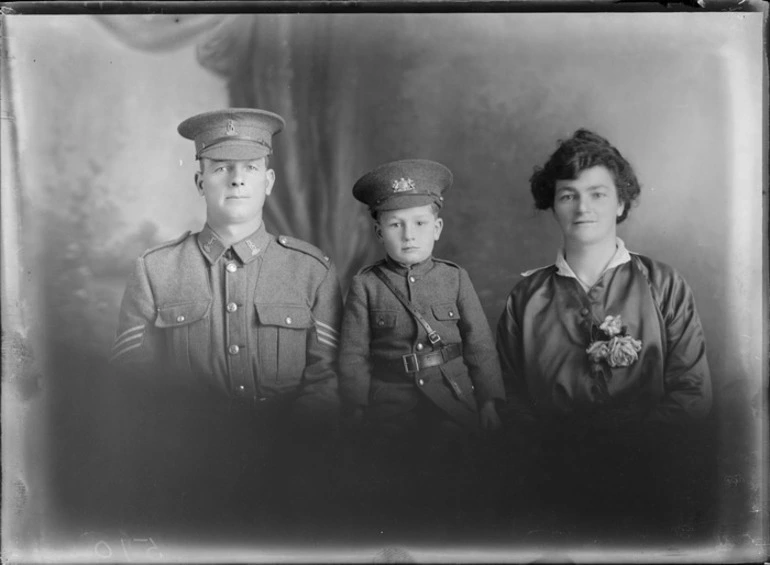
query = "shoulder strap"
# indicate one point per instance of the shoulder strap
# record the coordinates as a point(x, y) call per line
point(165, 244)
point(304, 247)
point(433, 336)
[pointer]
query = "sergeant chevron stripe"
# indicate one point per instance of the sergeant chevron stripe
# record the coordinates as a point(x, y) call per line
point(126, 341)
point(327, 334)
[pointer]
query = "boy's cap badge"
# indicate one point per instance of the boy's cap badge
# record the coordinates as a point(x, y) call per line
point(231, 128)
point(403, 185)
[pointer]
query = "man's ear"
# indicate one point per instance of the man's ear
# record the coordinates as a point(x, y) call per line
point(270, 180)
point(378, 231)
point(199, 182)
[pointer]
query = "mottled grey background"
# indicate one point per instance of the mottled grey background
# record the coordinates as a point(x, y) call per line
point(100, 174)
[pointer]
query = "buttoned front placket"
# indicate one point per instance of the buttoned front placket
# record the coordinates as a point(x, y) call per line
point(412, 276)
point(411, 279)
point(236, 330)
point(240, 283)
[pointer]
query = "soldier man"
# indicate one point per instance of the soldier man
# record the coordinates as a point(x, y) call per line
point(249, 319)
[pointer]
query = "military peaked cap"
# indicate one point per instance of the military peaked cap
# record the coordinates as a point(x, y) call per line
point(233, 133)
point(403, 184)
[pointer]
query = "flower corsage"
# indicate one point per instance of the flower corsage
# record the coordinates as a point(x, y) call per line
point(617, 348)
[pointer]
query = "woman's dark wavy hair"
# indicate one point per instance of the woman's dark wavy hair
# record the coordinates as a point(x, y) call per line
point(584, 150)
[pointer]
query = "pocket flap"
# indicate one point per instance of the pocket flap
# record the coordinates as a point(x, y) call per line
point(379, 319)
point(176, 315)
point(446, 311)
point(284, 315)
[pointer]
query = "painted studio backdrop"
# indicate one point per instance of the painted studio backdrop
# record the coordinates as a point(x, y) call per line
point(94, 173)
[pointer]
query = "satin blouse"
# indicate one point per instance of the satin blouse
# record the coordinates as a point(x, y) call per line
point(550, 320)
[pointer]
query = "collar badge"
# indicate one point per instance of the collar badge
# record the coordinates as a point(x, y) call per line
point(254, 248)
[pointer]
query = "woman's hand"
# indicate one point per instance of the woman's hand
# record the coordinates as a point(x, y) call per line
point(490, 421)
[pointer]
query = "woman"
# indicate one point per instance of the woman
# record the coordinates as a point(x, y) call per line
point(603, 352)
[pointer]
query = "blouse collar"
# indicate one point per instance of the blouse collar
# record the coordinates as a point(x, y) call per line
point(620, 257)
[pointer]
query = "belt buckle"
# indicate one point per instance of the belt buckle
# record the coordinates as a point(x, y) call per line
point(410, 363)
point(434, 338)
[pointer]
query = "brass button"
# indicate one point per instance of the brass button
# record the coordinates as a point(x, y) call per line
point(411, 279)
point(288, 320)
point(451, 314)
point(232, 267)
point(420, 346)
point(421, 382)
point(380, 322)
point(241, 388)
point(282, 239)
point(180, 318)
point(234, 349)
point(232, 307)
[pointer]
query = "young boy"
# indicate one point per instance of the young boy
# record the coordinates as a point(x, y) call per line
point(417, 356)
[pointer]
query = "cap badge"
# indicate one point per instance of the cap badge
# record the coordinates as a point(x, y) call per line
point(403, 185)
point(231, 128)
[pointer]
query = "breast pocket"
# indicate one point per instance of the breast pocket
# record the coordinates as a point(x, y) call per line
point(447, 315)
point(282, 335)
point(383, 320)
point(446, 312)
point(187, 331)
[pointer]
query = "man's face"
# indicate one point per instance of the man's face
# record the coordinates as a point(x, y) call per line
point(409, 234)
point(587, 207)
point(235, 191)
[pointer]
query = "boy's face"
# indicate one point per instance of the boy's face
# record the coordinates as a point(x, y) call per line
point(235, 190)
point(409, 234)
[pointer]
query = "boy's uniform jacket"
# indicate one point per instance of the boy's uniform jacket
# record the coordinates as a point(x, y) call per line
point(378, 331)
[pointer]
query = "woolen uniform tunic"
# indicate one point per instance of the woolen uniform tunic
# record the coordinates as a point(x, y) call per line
point(378, 330)
point(255, 323)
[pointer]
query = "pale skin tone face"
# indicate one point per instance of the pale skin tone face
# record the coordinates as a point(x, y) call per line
point(235, 193)
point(409, 234)
point(587, 207)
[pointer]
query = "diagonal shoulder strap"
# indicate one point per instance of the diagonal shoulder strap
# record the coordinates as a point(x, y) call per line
point(433, 337)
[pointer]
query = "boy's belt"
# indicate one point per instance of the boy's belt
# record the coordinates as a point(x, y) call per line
point(414, 362)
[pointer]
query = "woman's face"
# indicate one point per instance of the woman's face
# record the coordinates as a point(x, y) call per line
point(587, 207)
